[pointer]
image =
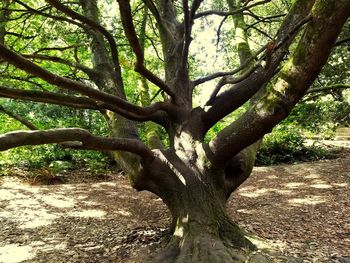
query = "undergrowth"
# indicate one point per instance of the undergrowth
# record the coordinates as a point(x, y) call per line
point(286, 144)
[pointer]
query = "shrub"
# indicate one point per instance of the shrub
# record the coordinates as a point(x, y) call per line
point(286, 144)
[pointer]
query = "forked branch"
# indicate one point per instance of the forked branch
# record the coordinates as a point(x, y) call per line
point(232, 72)
point(292, 83)
point(121, 106)
point(129, 29)
point(113, 46)
point(230, 80)
point(50, 97)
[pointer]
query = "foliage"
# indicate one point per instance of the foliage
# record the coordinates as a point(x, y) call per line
point(53, 157)
point(112, 65)
point(287, 144)
point(46, 116)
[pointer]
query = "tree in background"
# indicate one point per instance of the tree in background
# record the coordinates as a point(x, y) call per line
point(79, 55)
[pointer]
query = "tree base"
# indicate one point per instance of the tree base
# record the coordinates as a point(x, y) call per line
point(203, 248)
point(225, 244)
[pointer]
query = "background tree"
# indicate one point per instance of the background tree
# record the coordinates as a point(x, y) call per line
point(79, 55)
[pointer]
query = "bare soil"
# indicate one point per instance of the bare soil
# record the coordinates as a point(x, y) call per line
point(300, 211)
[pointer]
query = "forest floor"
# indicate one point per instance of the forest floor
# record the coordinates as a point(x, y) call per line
point(300, 210)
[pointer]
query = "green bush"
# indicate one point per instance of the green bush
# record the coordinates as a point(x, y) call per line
point(53, 157)
point(286, 144)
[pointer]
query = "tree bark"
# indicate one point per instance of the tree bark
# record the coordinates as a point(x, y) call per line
point(109, 80)
point(196, 196)
point(194, 179)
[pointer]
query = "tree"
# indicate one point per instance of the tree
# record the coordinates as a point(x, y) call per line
point(194, 178)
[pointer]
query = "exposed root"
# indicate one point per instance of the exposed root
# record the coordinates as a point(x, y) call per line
point(203, 248)
point(225, 245)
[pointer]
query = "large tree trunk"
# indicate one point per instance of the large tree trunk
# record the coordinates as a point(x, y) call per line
point(203, 232)
point(109, 79)
point(195, 193)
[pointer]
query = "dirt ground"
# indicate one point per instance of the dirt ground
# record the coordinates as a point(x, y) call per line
point(300, 211)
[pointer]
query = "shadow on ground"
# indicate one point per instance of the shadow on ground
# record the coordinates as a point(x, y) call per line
point(300, 210)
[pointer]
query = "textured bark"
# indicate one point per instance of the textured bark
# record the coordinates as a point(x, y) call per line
point(294, 79)
point(196, 195)
point(152, 130)
point(240, 27)
point(193, 178)
point(110, 80)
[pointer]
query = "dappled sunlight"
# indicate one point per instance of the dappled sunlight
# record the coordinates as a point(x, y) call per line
point(265, 244)
point(88, 213)
point(89, 203)
point(123, 213)
point(178, 174)
point(103, 184)
point(265, 191)
point(33, 207)
point(65, 187)
point(290, 189)
point(294, 185)
point(340, 184)
point(308, 200)
point(312, 176)
point(15, 253)
point(321, 186)
point(245, 211)
point(28, 213)
point(6, 194)
point(49, 245)
point(256, 193)
point(284, 191)
point(272, 177)
point(16, 185)
point(306, 205)
point(81, 197)
point(37, 219)
point(179, 230)
point(58, 201)
point(263, 169)
point(311, 180)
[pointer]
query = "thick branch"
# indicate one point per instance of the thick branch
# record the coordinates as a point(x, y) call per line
point(230, 80)
point(50, 97)
point(240, 93)
point(152, 7)
point(293, 81)
point(121, 106)
point(56, 48)
point(24, 79)
point(187, 32)
point(86, 141)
